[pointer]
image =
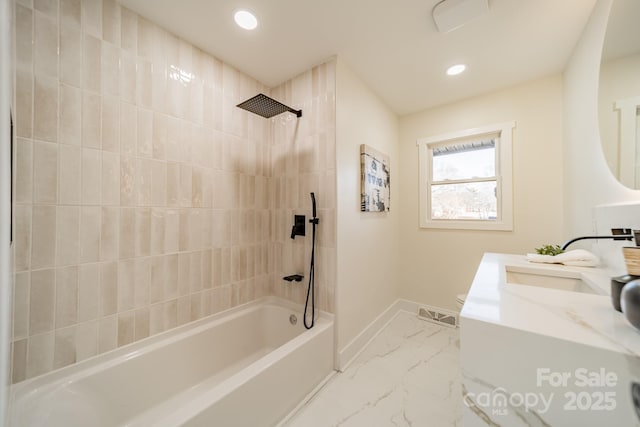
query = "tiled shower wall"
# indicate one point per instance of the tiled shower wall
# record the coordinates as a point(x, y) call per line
point(303, 159)
point(143, 196)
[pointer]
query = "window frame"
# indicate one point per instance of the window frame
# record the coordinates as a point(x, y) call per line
point(504, 178)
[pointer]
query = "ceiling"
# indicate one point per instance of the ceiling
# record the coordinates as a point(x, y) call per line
point(392, 45)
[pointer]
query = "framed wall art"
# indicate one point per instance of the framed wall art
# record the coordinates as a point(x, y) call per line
point(375, 180)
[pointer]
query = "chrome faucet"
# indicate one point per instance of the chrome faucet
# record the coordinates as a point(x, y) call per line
point(616, 234)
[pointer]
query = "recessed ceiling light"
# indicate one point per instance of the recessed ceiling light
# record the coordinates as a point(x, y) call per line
point(454, 70)
point(246, 20)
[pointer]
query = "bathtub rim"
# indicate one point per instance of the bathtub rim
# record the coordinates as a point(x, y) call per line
point(102, 361)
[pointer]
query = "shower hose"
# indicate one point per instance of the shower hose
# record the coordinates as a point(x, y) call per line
point(311, 288)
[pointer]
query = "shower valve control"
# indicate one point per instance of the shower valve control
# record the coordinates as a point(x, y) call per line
point(298, 228)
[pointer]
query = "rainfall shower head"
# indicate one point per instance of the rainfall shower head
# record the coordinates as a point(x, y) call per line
point(266, 107)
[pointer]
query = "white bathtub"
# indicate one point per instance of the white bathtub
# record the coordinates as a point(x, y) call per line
point(248, 366)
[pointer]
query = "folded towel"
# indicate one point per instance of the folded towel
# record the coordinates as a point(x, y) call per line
point(576, 257)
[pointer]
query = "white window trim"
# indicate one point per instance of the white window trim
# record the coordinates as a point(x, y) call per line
point(504, 178)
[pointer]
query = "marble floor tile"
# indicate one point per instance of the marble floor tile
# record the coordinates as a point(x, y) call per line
point(409, 375)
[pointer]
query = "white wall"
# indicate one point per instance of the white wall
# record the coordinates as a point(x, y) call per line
point(588, 180)
point(367, 242)
point(5, 212)
point(435, 265)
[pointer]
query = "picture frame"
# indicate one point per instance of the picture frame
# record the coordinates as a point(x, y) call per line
point(375, 184)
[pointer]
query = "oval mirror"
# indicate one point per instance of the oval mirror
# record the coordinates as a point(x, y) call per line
point(619, 92)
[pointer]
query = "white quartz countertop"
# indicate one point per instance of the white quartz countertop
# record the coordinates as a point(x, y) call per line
point(588, 319)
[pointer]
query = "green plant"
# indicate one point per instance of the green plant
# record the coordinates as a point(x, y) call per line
point(552, 250)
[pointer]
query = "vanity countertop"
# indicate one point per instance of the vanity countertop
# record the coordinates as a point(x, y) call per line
point(573, 316)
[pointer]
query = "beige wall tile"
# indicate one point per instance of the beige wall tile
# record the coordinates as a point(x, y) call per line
point(66, 297)
point(126, 283)
point(195, 267)
point(186, 185)
point(173, 184)
point(71, 56)
point(110, 69)
point(108, 288)
point(172, 231)
point(91, 120)
point(70, 116)
point(40, 354)
point(111, 21)
point(128, 125)
point(128, 30)
point(142, 281)
point(184, 273)
point(110, 234)
point(128, 181)
point(91, 176)
point(127, 230)
point(24, 104)
point(145, 129)
point(69, 174)
point(144, 84)
point(91, 61)
point(45, 175)
point(159, 136)
point(67, 235)
point(171, 277)
point(86, 340)
point(42, 301)
point(216, 266)
point(111, 124)
point(145, 38)
point(170, 314)
point(196, 188)
point(19, 360)
point(23, 171)
point(46, 45)
point(156, 319)
point(22, 237)
point(107, 333)
point(70, 13)
point(158, 279)
point(88, 292)
point(64, 347)
point(159, 70)
point(90, 225)
point(158, 183)
point(157, 246)
point(21, 292)
point(126, 328)
point(143, 232)
point(128, 77)
point(144, 185)
point(142, 323)
point(24, 38)
point(175, 140)
point(43, 237)
point(92, 17)
point(45, 114)
point(184, 310)
point(110, 178)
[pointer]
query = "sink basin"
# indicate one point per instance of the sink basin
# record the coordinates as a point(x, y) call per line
point(550, 279)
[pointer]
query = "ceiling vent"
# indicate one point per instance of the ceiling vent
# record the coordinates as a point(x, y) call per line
point(451, 14)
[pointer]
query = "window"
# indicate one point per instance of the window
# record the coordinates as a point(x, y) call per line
point(465, 179)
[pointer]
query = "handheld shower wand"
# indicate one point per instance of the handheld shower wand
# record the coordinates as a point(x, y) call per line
point(311, 288)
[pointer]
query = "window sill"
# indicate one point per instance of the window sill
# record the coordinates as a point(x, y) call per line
point(467, 225)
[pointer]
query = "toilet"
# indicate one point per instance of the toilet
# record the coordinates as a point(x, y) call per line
point(460, 298)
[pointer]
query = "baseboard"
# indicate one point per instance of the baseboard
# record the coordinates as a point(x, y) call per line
point(349, 352)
